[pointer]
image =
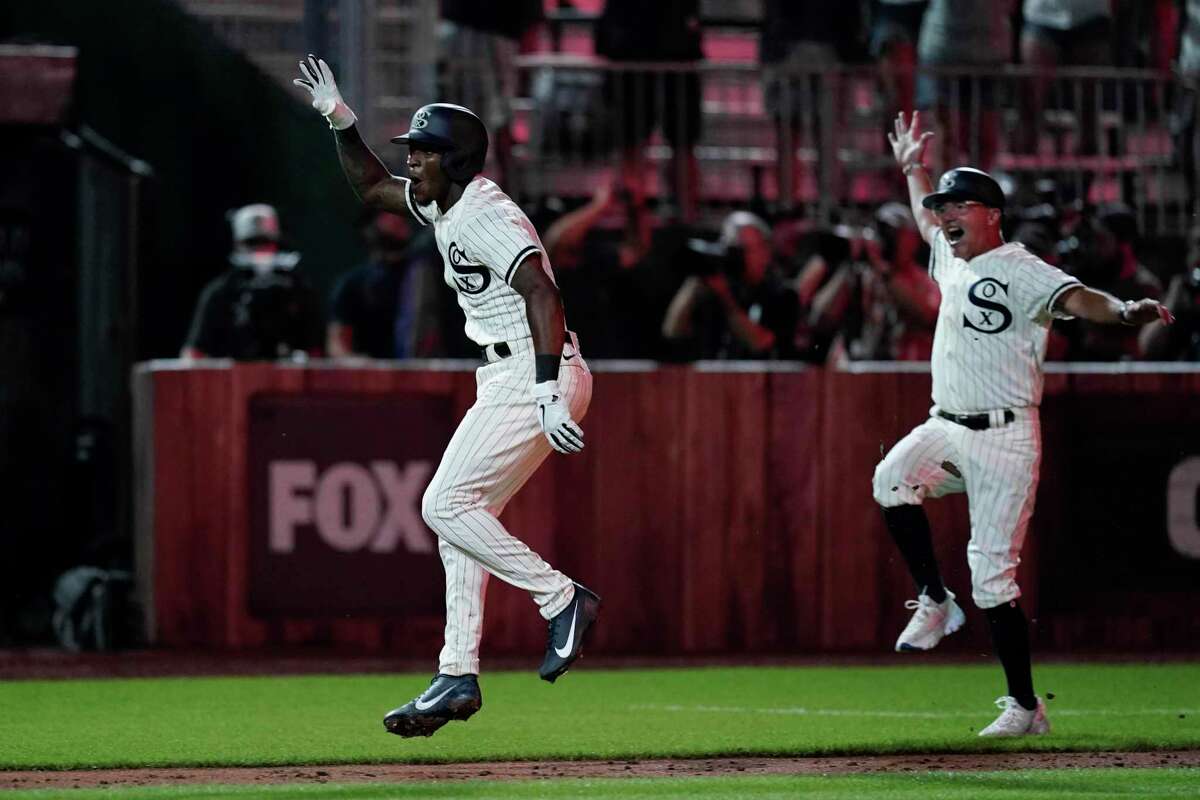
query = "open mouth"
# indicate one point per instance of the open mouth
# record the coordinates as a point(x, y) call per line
point(954, 233)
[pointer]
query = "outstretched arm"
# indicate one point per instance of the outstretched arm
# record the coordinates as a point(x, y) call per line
point(1097, 306)
point(908, 148)
point(368, 176)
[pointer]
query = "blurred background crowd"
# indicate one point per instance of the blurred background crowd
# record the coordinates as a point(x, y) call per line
point(710, 178)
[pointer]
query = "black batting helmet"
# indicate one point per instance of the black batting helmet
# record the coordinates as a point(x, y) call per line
point(453, 131)
point(966, 183)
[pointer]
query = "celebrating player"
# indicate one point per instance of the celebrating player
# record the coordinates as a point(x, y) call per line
point(983, 435)
point(532, 391)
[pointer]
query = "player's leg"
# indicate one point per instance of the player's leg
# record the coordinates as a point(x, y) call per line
point(1001, 468)
point(466, 592)
point(495, 450)
point(920, 465)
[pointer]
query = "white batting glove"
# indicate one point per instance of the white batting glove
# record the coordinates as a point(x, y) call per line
point(326, 99)
point(562, 431)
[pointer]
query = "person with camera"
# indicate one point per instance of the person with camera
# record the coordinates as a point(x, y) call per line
point(733, 304)
point(1180, 341)
point(261, 308)
point(880, 304)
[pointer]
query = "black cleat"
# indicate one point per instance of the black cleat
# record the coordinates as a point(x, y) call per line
point(448, 697)
point(567, 632)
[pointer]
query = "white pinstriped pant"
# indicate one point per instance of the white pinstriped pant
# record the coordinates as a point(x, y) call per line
point(997, 468)
point(497, 447)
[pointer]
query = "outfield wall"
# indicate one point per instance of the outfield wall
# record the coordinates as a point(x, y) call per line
point(721, 510)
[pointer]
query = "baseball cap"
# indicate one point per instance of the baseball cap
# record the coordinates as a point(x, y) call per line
point(256, 221)
point(966, 183)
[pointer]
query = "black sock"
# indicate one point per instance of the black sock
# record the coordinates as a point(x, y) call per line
point(909, 527)
point(1010, 635)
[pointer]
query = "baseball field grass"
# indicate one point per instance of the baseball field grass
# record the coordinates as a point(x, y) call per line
point(610, 715)
point(1023, 785)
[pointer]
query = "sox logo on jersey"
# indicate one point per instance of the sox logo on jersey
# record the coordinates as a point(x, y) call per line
point(982, 295)
point(474, 278)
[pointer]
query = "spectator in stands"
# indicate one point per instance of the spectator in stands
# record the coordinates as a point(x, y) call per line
point(600, 253)
point(1074, 33)
point(1181, 341)
point(261, 308)
point(881, 302)
point(973, 34)
point(1102, 254)
point(641, 100)
point(800, 47)
point(895, 29)
point(478, 45)
point(1185, 128)
point(394, 305)
point(734, 304)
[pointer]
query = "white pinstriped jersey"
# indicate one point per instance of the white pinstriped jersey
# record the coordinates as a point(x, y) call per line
point(483, 238)
point(992, 327)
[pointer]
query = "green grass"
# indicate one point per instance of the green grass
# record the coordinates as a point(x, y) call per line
point(588, 714)
point(1021, 785)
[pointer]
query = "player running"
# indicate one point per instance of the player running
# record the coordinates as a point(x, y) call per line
point(983, 435)
point(532, 392)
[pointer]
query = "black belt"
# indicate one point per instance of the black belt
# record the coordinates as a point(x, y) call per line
point(499, 348)
point(976, 422)
point(502, 349)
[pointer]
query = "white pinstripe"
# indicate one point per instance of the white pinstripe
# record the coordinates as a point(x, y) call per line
point(499, 443)
point(988, 349)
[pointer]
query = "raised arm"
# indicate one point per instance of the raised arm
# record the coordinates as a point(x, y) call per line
point(370, 179)
point(908, 148)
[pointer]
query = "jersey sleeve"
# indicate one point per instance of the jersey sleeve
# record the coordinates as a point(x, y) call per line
point(424, 214)
point(1040, 286)
point(502, 237)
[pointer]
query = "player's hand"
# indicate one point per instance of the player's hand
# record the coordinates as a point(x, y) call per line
point(326, 99)
point(907, 140)
point(1144, 311)
point(561, 431)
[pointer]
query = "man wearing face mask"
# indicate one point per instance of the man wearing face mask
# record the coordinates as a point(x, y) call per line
point(261, 308)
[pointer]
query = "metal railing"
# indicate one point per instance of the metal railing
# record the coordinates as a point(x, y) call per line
point(813, 141)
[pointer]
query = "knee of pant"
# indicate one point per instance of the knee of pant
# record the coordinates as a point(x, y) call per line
point(994, 590)
point(436, 508)
point(887, 489)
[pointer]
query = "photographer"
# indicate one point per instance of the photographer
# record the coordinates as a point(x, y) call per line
point(261, 308)
point(733, 304)
point(1101, 253)
point(880, 304)
point(1181, 341)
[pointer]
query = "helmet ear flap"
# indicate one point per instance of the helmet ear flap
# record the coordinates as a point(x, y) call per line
point(455, 166)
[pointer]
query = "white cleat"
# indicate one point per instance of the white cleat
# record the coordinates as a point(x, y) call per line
point(1017, 721)
point(930, 622)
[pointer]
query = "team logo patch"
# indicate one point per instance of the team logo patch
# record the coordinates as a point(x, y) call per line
point(470, 278)
point(420, 119)
point(990, 315)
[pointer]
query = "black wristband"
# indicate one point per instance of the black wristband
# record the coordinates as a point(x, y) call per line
point(545, 367)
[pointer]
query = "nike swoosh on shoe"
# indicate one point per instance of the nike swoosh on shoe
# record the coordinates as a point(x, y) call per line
point(423, 706)
point(565, 650)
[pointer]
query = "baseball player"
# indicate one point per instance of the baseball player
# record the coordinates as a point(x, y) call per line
point(531, 393)
point(983, 435)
